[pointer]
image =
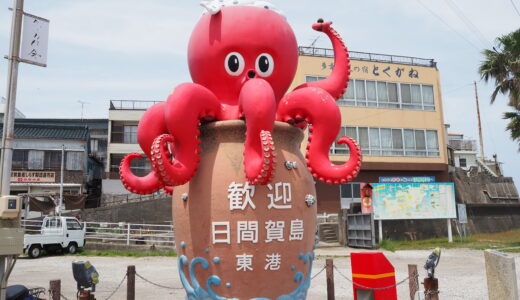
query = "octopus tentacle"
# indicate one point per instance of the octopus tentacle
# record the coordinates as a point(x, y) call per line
point(151, 125)
point(258, 104)
point(266, 170)
point(320, 110)
point(337, 82)
point(140, 185)
point(186, 106)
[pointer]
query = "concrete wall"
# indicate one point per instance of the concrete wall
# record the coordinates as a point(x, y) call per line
point(157, 211)
point(113, 187)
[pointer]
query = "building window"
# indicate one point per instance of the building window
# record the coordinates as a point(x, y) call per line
point(94, 145)
point(20, 159)
point(130, 134)
point(349, 193)
point(139, 166)
point(52, 160)
point(385, 94)
point(74, 161)
point(124, 133)
point(462, 162)
point(390, 141)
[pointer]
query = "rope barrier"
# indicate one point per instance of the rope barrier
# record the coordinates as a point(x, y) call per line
point(117, 288)
point(318, 273)
point(61, 295)
point(158, 285)
point(370, 288)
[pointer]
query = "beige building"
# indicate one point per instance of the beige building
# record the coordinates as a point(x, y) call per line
point(393, 108)
point(123, 118)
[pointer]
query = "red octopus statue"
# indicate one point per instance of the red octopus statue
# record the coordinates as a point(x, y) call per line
point(242, 60)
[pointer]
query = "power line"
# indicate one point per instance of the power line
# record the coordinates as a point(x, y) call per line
point(448, 25)
point(518, 13)
point(453, 6)
point(457, 88)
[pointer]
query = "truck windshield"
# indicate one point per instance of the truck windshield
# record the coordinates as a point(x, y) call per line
point(73, 225)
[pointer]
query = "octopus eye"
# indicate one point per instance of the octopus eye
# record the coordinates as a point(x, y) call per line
point(234, 64)
point(264, 65)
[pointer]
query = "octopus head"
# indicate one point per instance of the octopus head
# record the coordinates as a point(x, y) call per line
point(239, 43)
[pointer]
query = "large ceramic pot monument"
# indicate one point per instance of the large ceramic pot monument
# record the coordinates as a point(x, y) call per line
point(244, 202)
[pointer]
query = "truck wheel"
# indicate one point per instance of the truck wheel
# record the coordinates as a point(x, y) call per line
point(72, 248)
point(35, 251)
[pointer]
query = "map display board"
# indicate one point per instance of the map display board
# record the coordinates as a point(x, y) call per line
point(397, 201)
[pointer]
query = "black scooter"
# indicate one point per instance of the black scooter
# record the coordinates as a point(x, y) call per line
point(20, 292)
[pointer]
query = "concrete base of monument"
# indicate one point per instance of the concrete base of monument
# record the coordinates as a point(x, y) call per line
point(237, 240)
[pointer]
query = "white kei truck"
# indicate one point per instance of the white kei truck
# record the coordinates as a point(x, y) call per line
point(57, 233)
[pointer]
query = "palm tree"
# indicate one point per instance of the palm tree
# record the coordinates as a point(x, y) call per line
point(503, 64)
point(514, 125)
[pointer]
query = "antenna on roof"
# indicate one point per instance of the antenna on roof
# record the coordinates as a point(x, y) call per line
point(82, 105)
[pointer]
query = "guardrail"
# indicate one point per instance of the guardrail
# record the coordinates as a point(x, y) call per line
point(120, 233)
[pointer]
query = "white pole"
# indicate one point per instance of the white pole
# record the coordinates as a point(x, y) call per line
point(450, 238)
point(380, 231)
point(61, 179)
point(128, 234)
point(6, 156)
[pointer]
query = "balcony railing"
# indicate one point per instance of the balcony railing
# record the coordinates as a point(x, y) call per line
point(396, 59)
point(463, 145)
point(131, 104)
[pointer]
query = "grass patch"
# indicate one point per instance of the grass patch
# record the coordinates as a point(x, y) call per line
point(481, 241)
point(387, 245)
point(116, 253)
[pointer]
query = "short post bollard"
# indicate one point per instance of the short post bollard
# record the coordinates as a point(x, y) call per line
point(431, 289)
point(55, 289)
point(329, 265)
point(130, 283)
point(413, 280)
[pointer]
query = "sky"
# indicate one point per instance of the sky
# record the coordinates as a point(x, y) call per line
point(130, 49)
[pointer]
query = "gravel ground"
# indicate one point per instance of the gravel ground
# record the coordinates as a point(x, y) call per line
point(461, 274)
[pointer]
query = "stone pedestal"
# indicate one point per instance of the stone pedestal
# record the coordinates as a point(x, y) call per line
point(501, 276)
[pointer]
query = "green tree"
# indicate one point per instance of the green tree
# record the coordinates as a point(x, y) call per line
point(514, 125)
point(503, 65)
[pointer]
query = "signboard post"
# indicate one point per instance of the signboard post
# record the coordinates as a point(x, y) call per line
point(405, 201)
point(463, 217)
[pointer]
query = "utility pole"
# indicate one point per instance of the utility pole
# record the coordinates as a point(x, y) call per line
point(8, 129)
point(479, 125)
point(61, 178)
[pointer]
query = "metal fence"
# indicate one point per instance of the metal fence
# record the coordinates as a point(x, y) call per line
point(126, 233)
point(396, 59)
point(131, 104)
point(119, 233)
